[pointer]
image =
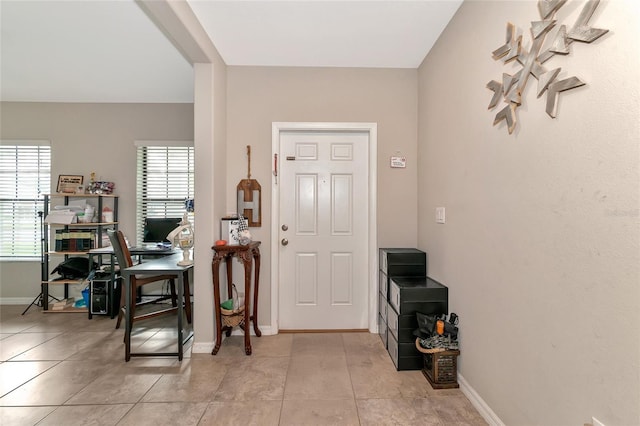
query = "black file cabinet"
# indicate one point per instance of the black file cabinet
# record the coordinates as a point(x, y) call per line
point(405, 289)
point(400, 262)
point(396, 326)
point(407, 296)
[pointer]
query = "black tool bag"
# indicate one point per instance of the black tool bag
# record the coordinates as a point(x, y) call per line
point(74, 268)
point(426, 325)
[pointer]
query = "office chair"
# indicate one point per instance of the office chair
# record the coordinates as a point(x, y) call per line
point(124, 260)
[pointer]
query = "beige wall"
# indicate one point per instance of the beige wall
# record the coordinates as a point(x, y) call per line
point(210, 122)
point(86, 138)
point(258, 96)
point(541, 246)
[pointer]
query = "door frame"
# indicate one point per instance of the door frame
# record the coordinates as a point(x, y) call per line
point(372, 257)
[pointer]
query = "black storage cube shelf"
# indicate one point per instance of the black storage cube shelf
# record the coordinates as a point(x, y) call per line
point(397, 323)
point(403, 262)
point(397, 262)
point(402, 326)
point(382, 330)
point(383, 285)
point(405, 356)
point(383, 307)
point(408, 295)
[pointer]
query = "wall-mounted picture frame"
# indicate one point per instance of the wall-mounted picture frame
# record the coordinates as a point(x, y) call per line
point(68, 184)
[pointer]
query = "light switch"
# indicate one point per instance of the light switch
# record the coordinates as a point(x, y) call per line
point(440, 215)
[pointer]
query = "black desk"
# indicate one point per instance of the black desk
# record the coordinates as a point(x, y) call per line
point(151, 251)
point(159, 266)
point(138, 251)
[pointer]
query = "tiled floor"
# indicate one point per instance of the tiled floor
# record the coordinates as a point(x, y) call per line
point(63, 369)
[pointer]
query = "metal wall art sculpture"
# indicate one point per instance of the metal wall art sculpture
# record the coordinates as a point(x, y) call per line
point(511, 87)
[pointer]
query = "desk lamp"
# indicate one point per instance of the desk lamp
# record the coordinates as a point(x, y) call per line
point(182, 237)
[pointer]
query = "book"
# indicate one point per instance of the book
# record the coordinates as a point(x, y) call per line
point(62, 304)
point(58, 244)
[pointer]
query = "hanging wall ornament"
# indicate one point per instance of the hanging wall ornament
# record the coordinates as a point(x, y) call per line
point(512, 87)
point(249, 196)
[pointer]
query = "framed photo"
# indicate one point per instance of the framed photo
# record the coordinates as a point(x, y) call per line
point(68, 184)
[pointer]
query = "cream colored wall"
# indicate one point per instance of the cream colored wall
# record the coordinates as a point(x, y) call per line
point(258, 96)
point(541, 248)
point(86, 138)
point(210, 124)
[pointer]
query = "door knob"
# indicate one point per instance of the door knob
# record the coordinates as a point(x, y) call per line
point(284, 241)
point(285, 227)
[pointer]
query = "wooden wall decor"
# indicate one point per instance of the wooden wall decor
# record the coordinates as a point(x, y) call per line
point(512, 86)
point(249, 196)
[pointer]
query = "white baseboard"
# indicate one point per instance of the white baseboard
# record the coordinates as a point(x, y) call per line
point(596, 422)
point(207, 347)
point(202, 347)
point(15, 300)
point(485, 411)
point(264, 329)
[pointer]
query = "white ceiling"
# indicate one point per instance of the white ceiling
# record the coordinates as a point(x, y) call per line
point(110, 51)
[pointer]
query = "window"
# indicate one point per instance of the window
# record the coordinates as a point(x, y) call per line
point(25, 175)
point(165, 181)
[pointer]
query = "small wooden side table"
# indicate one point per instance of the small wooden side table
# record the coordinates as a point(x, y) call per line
point(441, 369)
point(247, 254)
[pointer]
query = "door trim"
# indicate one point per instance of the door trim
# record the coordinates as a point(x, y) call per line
point(372, 258)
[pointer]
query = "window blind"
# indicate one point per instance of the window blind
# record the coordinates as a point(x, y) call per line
point(25, 175)
point(165, 179)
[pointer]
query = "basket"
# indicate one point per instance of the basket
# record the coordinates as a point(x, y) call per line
point(232, 318)
point(441, 369)
point(428, 351)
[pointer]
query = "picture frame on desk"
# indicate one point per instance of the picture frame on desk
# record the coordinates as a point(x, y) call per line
point(68, 184)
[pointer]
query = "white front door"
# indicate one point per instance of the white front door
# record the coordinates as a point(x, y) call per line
point(323, 230)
